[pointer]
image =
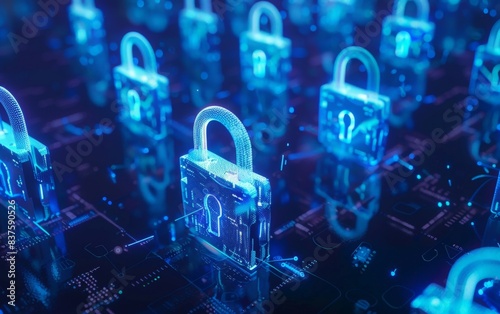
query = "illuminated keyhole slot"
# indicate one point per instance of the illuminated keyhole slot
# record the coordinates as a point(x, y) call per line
point(214, 212)
point(495, 79)
point(81, 33)
point(403, 42)
point(259, 60)
point(134, 101)
point(347, 123)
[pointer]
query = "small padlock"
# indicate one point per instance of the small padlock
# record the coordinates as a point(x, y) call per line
point(25, 166)
point(227, 206)
point(458, 296)
point(485, 76)
point(92, 49)
point(142, 92)
point(265, 57)
point(199, 31)
point(406, 41)
point(353, 121)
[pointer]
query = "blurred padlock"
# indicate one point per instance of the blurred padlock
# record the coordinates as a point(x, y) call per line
point(485, 77)
point(353, 122)
point(92, 50)
point(407, 40)
point(265, 57)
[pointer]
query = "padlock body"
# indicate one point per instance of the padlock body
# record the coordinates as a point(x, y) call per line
point(406, 41)
point(353, 123)
point(200, 40)
point(27, 177)
point(144, 98)
point(228, 214)
point(485, 77)
point(88, 28)
point(265, 61)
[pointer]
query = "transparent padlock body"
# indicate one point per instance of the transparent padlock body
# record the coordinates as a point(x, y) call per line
point(405, 40)
point(232, 216)
point(88, 28)
point(144, 97)
point(265, 61)
point(199, 34)
point(26, 178)
point(353, 123)
point(485, 77)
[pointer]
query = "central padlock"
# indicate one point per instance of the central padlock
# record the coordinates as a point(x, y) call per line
point(227, 206)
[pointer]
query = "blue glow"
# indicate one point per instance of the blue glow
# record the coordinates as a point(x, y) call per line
point(440, 204)
point(447, 203)
point(419, 177)
point(291, 110)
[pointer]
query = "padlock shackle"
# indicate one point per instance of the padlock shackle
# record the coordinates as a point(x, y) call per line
point(16, 119)
point(494, 40)
point(148, 56)
point(84, 3)
point(264, 7)
point(469, 270)
point(205, 5)
point(235, 128)
point(366, 58)
point(422, 8)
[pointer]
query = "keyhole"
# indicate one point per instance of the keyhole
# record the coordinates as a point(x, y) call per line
point(346, 127)
point(403, 42)
point(495, 79)
point(214, 213)
point(259, 60)
point(134, 102)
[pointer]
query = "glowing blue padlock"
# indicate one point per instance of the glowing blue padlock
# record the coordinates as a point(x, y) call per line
point(90, 39)
point(485, 77)
point(142, 92)
point(199, 27)
point(407, 40)
point(227, 206)
point(25, 166)
point(265, 57)
point(353, 121)
point(465, 274)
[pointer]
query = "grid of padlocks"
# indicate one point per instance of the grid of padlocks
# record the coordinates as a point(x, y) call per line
point(227, 205)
